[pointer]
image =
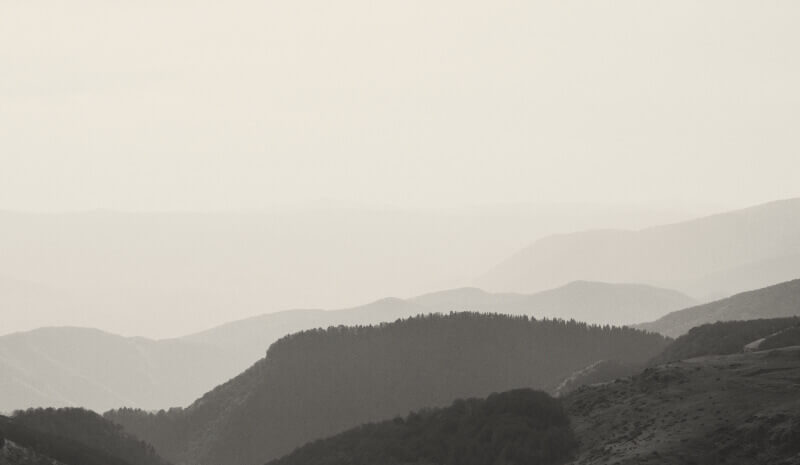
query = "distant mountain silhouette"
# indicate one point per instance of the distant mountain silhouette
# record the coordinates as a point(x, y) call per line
point(124, 271)
point(519, 427)
point(321, 382)
point(590, 302)
point(708, 257)
point(60, 367)
point(780, 300)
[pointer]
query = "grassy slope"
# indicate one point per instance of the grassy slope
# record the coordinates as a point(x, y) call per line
point(731, 409)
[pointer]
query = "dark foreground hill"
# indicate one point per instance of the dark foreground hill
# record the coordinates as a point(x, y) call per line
point(518, 427)
point(720, 409)
point(318, 383)
point(778, 301)
point(69, 437)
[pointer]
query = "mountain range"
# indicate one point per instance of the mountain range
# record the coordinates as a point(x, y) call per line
point(377, 373)
point(590, 302)
point(777, 301)
point(166, 274)
point(320, 382)
point(706, 258)
point(739, 408)
point(60, 367)
point(708, 400)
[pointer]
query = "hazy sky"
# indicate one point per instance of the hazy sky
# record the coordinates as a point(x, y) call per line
point(154, 105)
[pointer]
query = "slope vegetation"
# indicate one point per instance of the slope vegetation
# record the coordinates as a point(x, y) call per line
point(69, 437)
point(321, 382)
point(515, 428)
point(732, 409)
point(91, 430)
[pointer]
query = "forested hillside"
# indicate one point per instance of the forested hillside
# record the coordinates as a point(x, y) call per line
point(318, 383)
point(69, 437)
point(519, 427)
point(91, 430)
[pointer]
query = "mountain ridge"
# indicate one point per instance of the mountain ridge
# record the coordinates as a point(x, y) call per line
point(372, 373)
point(776, 301)
point(762, 242)
point(40, 373)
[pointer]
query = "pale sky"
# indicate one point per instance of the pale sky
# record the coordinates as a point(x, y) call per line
point(196, 105)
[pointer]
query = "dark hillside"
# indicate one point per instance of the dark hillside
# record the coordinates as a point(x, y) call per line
point(318, 383)
point(515, 428)
point(22, 445)
point(739, 409)
point(722, 338)
point(91, 430)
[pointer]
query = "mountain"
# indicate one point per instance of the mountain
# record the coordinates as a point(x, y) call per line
point(515, 428)
point(777, 301)
point(321, 382)
point(590, 302)
point(738, 409)
point(711, 256)
point(59, 367)
point(123, 272)
point(69, 437)
point(249, 339)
